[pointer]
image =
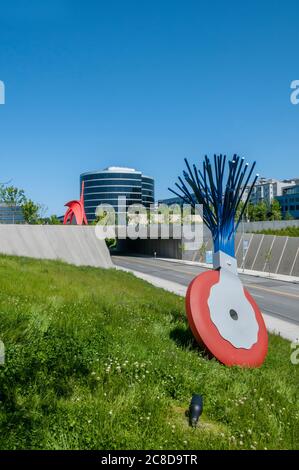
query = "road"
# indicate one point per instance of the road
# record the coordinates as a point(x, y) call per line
point(277, 298)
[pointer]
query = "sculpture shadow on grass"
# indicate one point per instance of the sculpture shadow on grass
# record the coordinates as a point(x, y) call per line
point(184, 339)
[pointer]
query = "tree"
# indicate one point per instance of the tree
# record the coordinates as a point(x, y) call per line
point(250, 212)
point(275, 211)
point(13, 197)
point(16, 198)
point(202, 251)
point(31, 212)
point(263, 211)
point(239, 210)
point(53, 220)
point(268, 257)
point(260, 211)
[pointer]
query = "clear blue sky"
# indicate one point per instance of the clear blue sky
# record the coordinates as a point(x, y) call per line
point(144, 84)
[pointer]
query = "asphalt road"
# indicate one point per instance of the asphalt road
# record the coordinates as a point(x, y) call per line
point(277, 298)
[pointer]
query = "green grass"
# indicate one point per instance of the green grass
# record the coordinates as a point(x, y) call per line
point(283, 232)
point(97, 359)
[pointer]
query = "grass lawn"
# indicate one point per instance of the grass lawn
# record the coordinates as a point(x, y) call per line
point(97, 359)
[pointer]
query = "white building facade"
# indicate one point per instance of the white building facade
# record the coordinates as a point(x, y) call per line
point(265, 190)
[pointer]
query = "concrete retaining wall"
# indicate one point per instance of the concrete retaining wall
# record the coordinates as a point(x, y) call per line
point(267, 253)
point(74, 244)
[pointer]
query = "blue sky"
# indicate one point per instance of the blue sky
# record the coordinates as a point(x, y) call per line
point(144, 84)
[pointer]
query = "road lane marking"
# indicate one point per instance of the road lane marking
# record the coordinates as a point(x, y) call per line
point(272, 291)
point(167, 268)
point(249, 286)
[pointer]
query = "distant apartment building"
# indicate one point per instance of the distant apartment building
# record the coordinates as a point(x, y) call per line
point(289, 201)
point(11, 214)
point(244, 193)
point(265, 190)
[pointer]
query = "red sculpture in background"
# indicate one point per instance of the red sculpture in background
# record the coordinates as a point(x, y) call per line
point(76, 208)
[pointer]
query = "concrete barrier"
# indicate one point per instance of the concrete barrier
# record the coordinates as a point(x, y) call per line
point(267, 253)
point(74, 244)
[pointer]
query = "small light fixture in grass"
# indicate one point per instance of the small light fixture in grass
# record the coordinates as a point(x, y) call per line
point(195, 409)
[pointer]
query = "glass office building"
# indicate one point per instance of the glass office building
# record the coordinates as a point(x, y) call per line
point(106, 186)
point(11, 214)
point(289, 201)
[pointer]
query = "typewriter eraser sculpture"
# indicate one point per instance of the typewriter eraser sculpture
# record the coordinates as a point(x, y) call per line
point(221, 313)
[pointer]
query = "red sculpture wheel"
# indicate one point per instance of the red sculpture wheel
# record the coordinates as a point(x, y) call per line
point(206, 332)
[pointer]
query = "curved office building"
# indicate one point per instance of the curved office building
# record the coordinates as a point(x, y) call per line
point(104, 187)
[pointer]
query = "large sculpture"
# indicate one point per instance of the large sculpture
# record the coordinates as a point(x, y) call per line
point(76, 209)
point(221, 313)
